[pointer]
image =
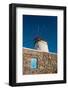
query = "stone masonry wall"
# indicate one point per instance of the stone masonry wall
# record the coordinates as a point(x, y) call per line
point(47, 63)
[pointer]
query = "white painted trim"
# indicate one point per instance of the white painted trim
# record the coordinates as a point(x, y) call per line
point(39, 50)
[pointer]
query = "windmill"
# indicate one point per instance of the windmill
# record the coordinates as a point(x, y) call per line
point(40, 44)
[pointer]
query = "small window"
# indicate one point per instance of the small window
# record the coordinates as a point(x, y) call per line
point(34, 63)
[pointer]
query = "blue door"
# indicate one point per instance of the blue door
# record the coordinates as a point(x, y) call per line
point(33, 63)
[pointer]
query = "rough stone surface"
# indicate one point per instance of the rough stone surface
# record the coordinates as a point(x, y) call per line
point(47, 62)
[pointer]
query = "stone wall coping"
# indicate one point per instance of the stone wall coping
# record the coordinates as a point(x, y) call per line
point(39, 50)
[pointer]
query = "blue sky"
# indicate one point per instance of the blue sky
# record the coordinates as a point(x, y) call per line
point(43, 26)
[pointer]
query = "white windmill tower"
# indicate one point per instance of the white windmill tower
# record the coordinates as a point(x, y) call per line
point(40, 44)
